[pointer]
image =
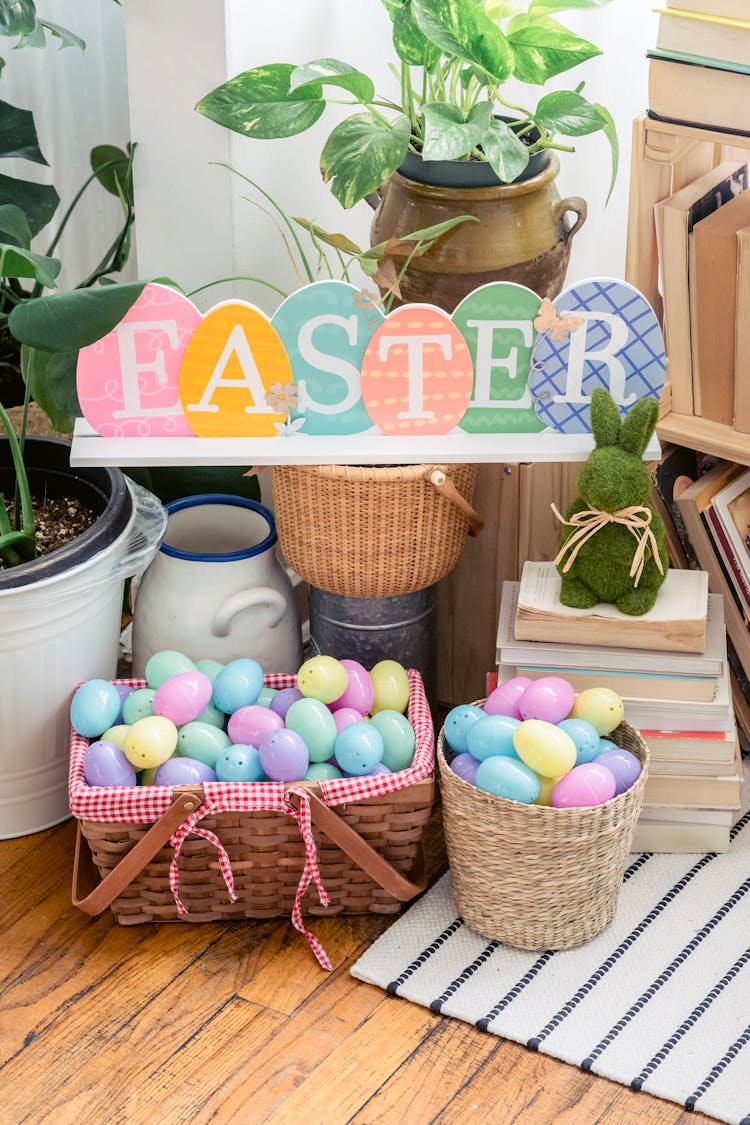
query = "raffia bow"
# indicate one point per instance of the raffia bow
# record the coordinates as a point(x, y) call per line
point(586, 524)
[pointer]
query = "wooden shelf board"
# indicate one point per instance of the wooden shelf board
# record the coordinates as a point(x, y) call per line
point(705, 436)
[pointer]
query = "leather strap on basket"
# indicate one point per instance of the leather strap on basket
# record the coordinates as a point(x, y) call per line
point(445, 486)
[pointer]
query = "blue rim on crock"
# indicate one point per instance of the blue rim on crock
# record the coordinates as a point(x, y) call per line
point(206, 498)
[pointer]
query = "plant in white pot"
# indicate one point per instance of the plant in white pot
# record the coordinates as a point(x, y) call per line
point(453, 139)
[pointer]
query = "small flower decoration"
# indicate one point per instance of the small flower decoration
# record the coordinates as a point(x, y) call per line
point(290, 426)
point(366, 300)
point(558, 328)
point(282, 397)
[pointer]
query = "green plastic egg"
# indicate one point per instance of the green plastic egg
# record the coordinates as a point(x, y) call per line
point(316, 726)
point(138, 705)
point(210, 668)
point(398, 738)
point(165, 664)
point(202, 741)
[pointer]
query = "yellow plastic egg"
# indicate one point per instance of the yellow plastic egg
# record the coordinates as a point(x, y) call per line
point(545, 748)
point(546, 785)
point(599, 706)
point(150, 741)
point(117, 734)
point(323, 678)
point(390, 685)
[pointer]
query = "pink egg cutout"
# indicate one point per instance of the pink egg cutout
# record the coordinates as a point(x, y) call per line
point(183, 697)
point(128, 382)
point(359, 692)
point(549, 698)
point(583, 786)
point(504, 699)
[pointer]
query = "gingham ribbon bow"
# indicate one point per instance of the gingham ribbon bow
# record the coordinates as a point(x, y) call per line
point(178, 839)
point(586, 524)
point(311, 871)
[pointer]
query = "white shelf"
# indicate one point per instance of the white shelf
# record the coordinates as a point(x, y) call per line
point(90, 448)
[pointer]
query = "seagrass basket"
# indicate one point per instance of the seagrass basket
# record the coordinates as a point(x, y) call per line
point(373, 532)
point(537, 877)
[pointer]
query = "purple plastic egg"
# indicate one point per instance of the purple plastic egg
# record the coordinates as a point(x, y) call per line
point(284, 699)
point(284, 756)
point(549, 698)
point(381, 767)
point(249, 725)
point(584, 785)
point(183, 771)
point(183, 697)
point(123, 690)
point(465, 766)
point(359, 692)
point(624, 766)
point(105, 764)
point(504, 699)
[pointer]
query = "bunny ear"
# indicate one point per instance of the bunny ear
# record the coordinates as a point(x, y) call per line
point(605, 418)
point(638, 425)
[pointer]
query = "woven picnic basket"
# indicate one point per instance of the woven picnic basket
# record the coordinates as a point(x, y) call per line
point(255, 850)
point(373, 532)
point(532, 876)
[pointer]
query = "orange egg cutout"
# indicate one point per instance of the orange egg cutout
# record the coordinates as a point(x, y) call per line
point(417, 373)
point(231, 364)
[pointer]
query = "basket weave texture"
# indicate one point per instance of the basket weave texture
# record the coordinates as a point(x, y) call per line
point(537, 877)
point(369, 532)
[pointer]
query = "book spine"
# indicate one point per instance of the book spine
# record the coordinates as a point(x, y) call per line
point(742, 335)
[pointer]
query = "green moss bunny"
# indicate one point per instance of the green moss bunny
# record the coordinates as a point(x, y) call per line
point(613, 547)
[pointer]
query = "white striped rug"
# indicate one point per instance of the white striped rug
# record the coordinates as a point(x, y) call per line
point(659, 1002)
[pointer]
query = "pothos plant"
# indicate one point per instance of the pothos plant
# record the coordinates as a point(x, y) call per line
point(455, 100)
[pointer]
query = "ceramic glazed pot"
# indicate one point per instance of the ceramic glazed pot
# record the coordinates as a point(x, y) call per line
point(522, 235)
point(216, 589)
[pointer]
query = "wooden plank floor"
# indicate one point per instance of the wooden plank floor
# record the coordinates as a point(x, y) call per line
point(235, 1022)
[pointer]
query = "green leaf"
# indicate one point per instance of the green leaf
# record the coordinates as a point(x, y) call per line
point(37, 201)
point(22, 481)
point(35, 38)
point(501, 9)
point(67, 38)
point(51, 378)
point(18, 134)
point(118, 172)
point(65, 322)
point(568, 113)
point(544, 49)
point(447, 135)
point(14, 222)
point(17, 17)
point(403, 244)
point(332, 72)
point(541, 8)
point(361, 153)
point(464, 32)
point(15, 261)
point(259, 103)
point(507, 155)
point(411, 46)
point(610, 132)
point(339, 241)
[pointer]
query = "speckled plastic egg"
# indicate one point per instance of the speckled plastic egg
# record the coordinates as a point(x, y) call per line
point(151, 741)
point(202, 741)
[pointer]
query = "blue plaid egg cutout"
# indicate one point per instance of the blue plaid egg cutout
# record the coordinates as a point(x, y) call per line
point(641, 355)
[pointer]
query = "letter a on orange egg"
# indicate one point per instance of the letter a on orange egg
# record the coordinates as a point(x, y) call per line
point(230, 365)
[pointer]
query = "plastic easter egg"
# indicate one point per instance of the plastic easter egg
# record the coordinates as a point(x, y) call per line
point(116, 734)
point(148, 777)
point(210, 668)
point(458, 723)
point(589, 784)
point(390, 686)
point(211, 714)
point(164, 664)
point(398, 737)
point(183, 771)
point(599, 706)
point(345, 716)
point(465, 766)
point(123, 690)
point(105, 764)
point(181, 698)
point(509, 778)
point(606, 744)
point(237, 685)
point(266, 695)
point(504, 699)
point(358, 749)
point(623, 765)
point(202, 741)
point(239, 763)
point(544, 748)
point(284, 756)
point(284, 699)
point(549, 698)
point(151, 741)
point(249, 725)
point(323, 678)
point(315, 725)
point(359, 692)
point(322, 771)
point(94, 707)
point(380, 768)
point(492, 735)
point(546, 785)
point(138, 705)
point(586, 738)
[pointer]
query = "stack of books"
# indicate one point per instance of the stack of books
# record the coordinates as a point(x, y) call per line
point(678, 697)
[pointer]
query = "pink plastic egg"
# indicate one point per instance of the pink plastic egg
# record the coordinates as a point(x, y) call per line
point(183, 697)
point(248, 726)
point(359, 691)
point(549, 698)
point(345, 716)
point(504, 699)
point(588, 784)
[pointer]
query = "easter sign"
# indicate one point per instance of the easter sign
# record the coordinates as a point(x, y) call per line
point(330, 364)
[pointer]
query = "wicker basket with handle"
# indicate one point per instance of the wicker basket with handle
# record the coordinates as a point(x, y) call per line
point(532, 876)
point(373, 532)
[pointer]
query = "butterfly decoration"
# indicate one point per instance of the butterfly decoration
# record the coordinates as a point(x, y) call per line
point(558, 328)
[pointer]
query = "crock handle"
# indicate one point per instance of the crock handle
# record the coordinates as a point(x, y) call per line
point(573, 203)
point(221, 622)
point(375, 198)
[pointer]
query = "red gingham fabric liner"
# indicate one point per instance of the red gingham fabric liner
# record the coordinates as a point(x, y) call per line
point(145, 804)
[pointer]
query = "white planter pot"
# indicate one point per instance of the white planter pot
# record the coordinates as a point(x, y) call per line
point(216, 589)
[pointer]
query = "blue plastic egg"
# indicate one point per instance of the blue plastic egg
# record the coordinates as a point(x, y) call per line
point(358, 749)
point(509, 778)
point(457, 725)
point(237, 685)
point(492, 735)
point(94, 707)
point(239, 763)
point(586, 738)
